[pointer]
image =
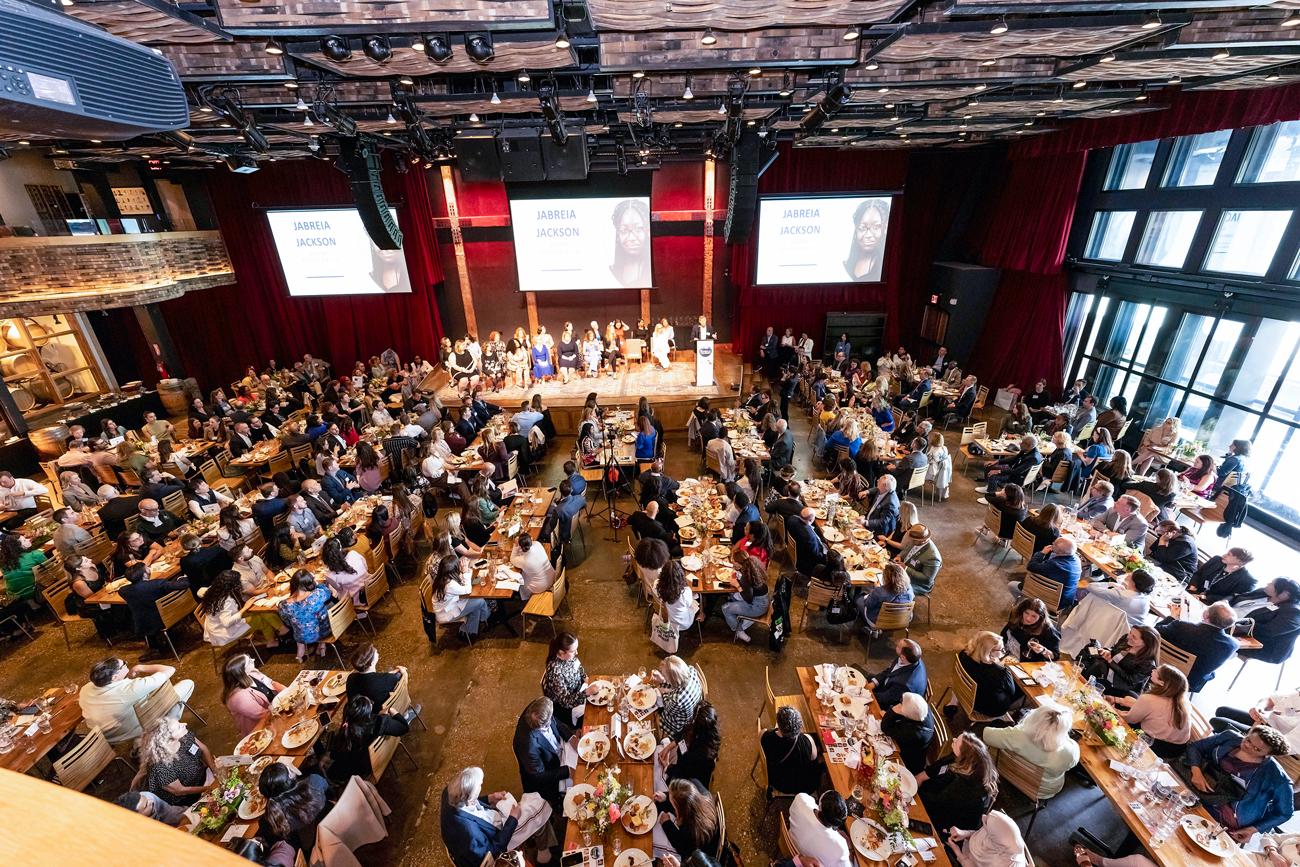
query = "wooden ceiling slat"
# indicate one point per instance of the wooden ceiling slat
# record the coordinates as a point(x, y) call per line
point(638, 15)
point(421, 14)
point(955, 72)
point(139, 23)
point(1021, 42)
point(1164, 66)
point(694, 115)
point(675, 50)
point(222, 59)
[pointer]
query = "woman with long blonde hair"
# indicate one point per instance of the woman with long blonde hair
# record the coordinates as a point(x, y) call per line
point(957, 791)
point(995, 688)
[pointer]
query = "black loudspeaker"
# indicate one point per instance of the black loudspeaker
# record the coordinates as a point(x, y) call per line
point(742, 194)
point(566, 162)
point(476, 155)
point(521, 155)
point(361, 164)
point(965, 292)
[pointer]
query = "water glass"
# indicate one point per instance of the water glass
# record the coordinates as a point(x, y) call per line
point(43, 722)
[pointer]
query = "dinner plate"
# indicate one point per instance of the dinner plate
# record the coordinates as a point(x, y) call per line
point(688, 532)
point(300, 733)
point(832, 534)
point(628, 438)
point(644, 697)
point(883, 746)
point(720, 552)
point(594, 746)
point(870, 839)
point(849, 678)
point(260, 764)
point(632, 858)
point(692, 563)
point(336, 685)
point(851, 706)
point(639, 815)
point(604, 693)
point(861, 533)
point(575, 797)
point(639, 745)
point(906, 782)
point(252, 806)
point(254, 743)
point(285, 698)
point(1209, 836)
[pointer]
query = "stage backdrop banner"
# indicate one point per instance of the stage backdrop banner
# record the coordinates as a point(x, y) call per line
point(835, 239)
point(328, 252)
point(582, 243)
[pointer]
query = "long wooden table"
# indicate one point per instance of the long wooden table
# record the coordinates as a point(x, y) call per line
point(65, 716)
point(637, 774)
point(842, 777)
point(1178, 850)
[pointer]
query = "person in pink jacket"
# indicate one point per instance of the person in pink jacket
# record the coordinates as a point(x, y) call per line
point(247, 693)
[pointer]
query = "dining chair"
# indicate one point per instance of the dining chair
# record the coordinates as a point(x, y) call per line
point(786, 842)
point(1172, 654)
point(764, 619)
point(1046, 589)
point(49, 571)
point(820, 596)
point(399, 701)
point(342, 614)
point(963, 689)
point(176, 505)
point(97, 547)
point(78, 767)
point(1025, 777)
point(892, 617)
point(56, 595)
point(547, 603)
point(1022, 542)
point(704, 682)
point(173, 609)
point(993, 524)
point(160, 702)
point(1281, 669)
point(376, 588)
point(942, 735)
point(917, 480)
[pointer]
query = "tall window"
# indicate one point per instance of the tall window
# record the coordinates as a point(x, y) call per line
point(1130, 165)
point(1274, 155)
point(1195, 159)
point(1167, 238)
point(1245, 241)
point(1109, 237)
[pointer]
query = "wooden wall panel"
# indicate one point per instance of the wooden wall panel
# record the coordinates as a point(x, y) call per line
point(1165, 66)
point(674, 50)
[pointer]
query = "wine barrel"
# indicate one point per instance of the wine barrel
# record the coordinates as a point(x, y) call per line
point(20, 365)
point(14, 337)
point(49, 441)
point(24, 399)
point(172, 394)
point(37, 386)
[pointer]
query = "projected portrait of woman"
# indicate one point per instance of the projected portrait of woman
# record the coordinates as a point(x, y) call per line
point(867, 249)
point(631, 266)
point(386, 268)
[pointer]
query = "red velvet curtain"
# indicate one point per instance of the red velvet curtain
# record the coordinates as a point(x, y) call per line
point(222, 330)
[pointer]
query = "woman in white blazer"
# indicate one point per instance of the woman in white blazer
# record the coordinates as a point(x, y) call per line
point(451, 600)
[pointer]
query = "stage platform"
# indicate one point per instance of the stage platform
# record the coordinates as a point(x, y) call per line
point(672, 392)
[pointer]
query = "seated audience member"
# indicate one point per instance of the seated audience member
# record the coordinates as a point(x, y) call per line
point(473, 830)
point(1174, 550)
point(1161, 711)
point(915, 460)
point(1056, 562)
point(1209, 640)
point(108, 700)
point(1118, 471)
point(151, 806)
point(752, 600)
point(156, 524)
point(810, 545)
point(746, 513)
point(906, 674)
point(1123, 519)
point(996, 843)
point(794, 762)
point(815, 828)
point(1277, 621)
point(1223, 576)
point(646, 524)
point(911, 724)
point(850, 484)
point(1230, 762)
point(958, 790)
point(451, 599)
point(995, 687)
point(696, 756)
point(1097, 502)
point(1125, 667)
point(1200, 475)
point(570, 505)
point(1014, 468)
point(1029, 634)
point(1012, 506)
point(363, 722)
point(782, 448)
point(531, 560)
point(882, 515)
point(1280, 711)
point(141, 596)
point(671, 588)
point(295, 805)
point(663, 486)
point(1042, 738)
point(365, 678)
point(1131, 594)
point(1045, 526)
point(680, 690)
point(247, 693)
point(790, 502)
point(174, 765)
point(1085, 415)
point(338, 484)
point(894, 586)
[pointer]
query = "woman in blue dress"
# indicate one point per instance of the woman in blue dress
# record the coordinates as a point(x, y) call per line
point(543, 364)
point(306, 612)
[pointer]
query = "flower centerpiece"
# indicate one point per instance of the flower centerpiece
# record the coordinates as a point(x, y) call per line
point(1105, 724)
point(603, 809)
point(219, 806)
point(889, 799)
point(1130, 559)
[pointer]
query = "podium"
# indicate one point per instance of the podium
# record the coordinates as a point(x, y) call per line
point(703, 363)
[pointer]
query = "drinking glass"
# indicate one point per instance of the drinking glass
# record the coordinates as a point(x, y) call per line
point(43, 722)
point(71, 689)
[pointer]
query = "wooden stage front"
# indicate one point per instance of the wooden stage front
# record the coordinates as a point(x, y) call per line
point(672, 392)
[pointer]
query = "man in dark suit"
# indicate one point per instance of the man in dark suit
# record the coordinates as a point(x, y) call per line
point(782, 449)
point(467, 426)
point(882, 514)
point(292, 436)
point(913, 398)
point(241, 440)
point(116, 510)
point(141, 595)
point(916, 459)
point(769, 346)
point(265, 509)
point(1277, 623)
point(258, 431)
point(468, 821)
point(710, 428)
point(647, 525)
point(338, 484)
point(1012, 469)
point(1224, 576)
point(518, 443)
point(656, 484)
point(158, 484)
point(156, 524)
point(907, 674)
point(789, 505)
point(539, 749)
point(201, 563)
point(810, 547)
point(318, 502)
point(700, 330)
point(569, 504)
point(964, 402)
point(1208, 640)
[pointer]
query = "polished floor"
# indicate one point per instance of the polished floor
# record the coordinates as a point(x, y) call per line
point(472, 696)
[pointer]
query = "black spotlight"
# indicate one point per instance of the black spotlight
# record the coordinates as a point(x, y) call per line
point(479, 47)
point(437, 47)
point(377, 48)
point(335, 48)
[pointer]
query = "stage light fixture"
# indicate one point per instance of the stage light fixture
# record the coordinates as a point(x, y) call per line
point(1152, 22)
point(291, 84)
point(377, 48)
point(240, 164)
point(708, 38)
point(872, 65)
point(1221, 54)
point(852, 33)
point(495, 100)
point(272, 47)
point(754, 70)
point(1272, 76)
point(638, 74)
point(722, 107)
point(479, 47)
point(562, 41)
point(688, 93)
point(307, 121)
point(785, 85)
point(335, 48)
point(1177, 79)
point(473, 117)
point(390, 118)
point(437, 47)
point(254, 136)
point(1080, 84)
point(591, 95)
point(523, 77)
point(300, 105)
point(551, 113)
point(206, 109)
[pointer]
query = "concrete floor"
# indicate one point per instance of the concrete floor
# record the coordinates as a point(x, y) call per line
point(472, 696)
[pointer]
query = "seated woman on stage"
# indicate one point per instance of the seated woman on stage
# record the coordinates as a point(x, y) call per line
point(613, 347)
point(659, 347)
point(460, 364)
point(517, 362)
point(568, 352)
point(592, 352)
point(543, 363)
point(494, 361)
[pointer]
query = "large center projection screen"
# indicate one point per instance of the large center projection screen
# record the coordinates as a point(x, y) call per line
point(821, 239)
point(595, 243)
point(326, 251)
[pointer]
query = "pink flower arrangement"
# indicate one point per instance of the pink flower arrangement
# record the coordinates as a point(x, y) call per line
point(614, 812)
